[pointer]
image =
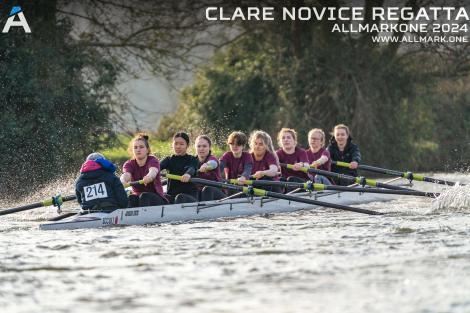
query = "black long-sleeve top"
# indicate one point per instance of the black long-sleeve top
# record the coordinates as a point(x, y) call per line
point(349, 154)
point(180, 165)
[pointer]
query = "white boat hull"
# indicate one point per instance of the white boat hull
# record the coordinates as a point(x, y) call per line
point(206, 210)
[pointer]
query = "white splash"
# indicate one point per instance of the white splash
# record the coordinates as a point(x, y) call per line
point(454, 198)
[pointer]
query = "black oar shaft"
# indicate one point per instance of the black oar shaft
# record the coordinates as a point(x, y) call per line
point(351, 179)
point(62, 216)
point(320, 203)
point(439, 181)
point(358, 180)
point(407, 175)
point(51, 201)
point(69, 198)
point(320, 187)
point(384, 191)
point(260, 192)
point(22, 208)
point(377, 169)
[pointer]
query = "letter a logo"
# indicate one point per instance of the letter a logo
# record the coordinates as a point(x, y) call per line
point(16, 11)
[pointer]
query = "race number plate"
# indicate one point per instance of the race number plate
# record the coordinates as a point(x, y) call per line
point(95, 191)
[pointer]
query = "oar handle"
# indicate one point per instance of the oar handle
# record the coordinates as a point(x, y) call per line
point(139, 182)
point(134, 183)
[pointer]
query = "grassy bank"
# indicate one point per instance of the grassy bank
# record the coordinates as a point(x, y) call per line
point(118, 153)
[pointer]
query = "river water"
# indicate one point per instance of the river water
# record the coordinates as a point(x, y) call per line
point(416, 258)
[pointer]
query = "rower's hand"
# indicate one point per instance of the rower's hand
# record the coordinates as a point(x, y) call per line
point(353, 165)
point(125, 178)
point(297, 166)
point(185, 178)
point(314, 164)
point(241, 180)
point(147, 179)
point(203, 168)
point(258, 175)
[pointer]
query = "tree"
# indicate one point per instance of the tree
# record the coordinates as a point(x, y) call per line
point(55, 101)
point(318, 79)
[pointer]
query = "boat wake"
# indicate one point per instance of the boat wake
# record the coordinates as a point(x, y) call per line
point(452, 199)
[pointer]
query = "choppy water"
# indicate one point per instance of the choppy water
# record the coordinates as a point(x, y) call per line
point(415, 259)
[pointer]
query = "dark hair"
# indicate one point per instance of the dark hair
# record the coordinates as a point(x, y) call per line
point(139, 136)
point(237, 138)
point(206, 138)
point(182, 135)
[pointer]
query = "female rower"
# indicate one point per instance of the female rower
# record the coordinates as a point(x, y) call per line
point(289, 153)
point(236, 163)
point(265, 161)
point(318, 156)
point(208, 169)
point(342, 149)
point(97, 187)
point(143, 166)
point(182, 164)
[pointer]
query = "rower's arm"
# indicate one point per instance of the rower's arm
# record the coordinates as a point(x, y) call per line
point(191, 169)
point(126, 177)
point(120, 192)
point(322, 160)
point(212, 164)
point(222, 168)
point(272, 171)
point(78, 195)
point(153, 172)
point(165, 163)
point(356, 154)
point(247, 170)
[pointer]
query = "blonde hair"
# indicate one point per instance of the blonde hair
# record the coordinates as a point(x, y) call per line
point(139, 136)
point(320, 131)
point(341, 126)
point(286, 130)
point(268, 142)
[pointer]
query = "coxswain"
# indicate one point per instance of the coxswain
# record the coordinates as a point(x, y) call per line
point(97, 188)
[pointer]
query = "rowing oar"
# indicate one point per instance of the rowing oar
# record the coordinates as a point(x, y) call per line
point(264, 193)
point(310, 186)
point(408, 175)
point(55, 201)
point(357, 180)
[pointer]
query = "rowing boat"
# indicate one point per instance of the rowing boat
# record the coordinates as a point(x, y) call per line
point(209, 210)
